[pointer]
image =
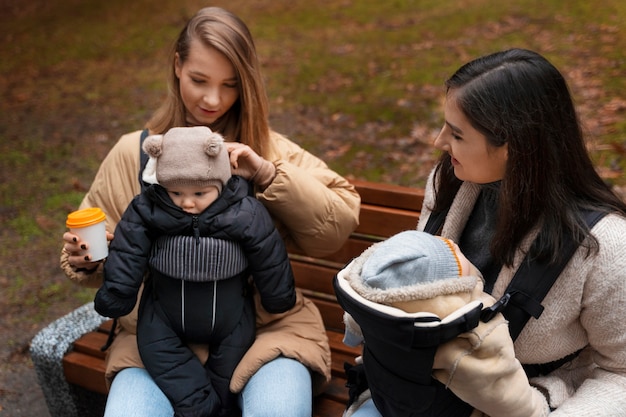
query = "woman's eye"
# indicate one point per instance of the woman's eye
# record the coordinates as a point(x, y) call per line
point(455, 135)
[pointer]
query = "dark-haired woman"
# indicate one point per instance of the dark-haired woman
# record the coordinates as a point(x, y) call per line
point(514, 171)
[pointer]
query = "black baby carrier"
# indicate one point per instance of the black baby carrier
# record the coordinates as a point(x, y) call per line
point(399, 353)
point(399, 350)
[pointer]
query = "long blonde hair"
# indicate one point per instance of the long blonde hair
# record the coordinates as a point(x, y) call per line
point(247, 120)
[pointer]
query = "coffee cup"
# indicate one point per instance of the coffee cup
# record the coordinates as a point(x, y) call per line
point(89, 225)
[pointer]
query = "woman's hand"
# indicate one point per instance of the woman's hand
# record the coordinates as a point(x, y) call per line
point(78, 251)
point(249, 165)
point(244, 161)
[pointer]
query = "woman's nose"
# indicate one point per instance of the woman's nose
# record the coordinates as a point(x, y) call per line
point(212, 97)
point(440, 143)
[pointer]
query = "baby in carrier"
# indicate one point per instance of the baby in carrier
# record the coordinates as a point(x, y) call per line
point(415, 302)
point(204, 240)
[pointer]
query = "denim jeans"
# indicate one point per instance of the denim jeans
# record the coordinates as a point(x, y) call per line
point(133, 393)
point(281, 388)
point(367, 409)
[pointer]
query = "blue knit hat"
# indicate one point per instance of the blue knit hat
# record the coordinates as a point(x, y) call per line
point(410, 257)
point(409, 265)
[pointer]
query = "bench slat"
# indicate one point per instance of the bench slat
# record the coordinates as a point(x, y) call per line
point(352, 248)
point(385, 222)
point(313, 277)
point(90, 344)
point(85, 370)
point(390, 195)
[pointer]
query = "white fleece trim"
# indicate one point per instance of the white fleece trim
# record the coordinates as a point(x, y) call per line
point(418, 291)
point(149, 172)
point(396, 312)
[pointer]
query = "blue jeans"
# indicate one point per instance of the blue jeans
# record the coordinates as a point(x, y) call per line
point(367, 409)
point(281, 388)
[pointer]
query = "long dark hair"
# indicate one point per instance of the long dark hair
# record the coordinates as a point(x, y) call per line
point(518, 98)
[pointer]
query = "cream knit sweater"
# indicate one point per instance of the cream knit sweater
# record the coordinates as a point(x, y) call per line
point(586, 308)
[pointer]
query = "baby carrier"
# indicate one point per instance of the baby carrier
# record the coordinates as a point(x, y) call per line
point(399, 353)
point(399, 350)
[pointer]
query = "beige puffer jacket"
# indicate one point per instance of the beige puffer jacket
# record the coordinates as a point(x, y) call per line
point(315, 210)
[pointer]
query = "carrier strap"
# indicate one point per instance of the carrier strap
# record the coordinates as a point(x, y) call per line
point(533, 280)
point(529, 286)
point(143, 159)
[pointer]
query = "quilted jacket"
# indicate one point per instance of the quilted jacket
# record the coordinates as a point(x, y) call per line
point(314, 209)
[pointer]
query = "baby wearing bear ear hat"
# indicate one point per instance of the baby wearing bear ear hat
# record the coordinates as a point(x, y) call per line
point(202, 238)
point(414, 301)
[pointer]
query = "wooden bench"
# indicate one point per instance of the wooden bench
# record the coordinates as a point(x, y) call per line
point(385, 210)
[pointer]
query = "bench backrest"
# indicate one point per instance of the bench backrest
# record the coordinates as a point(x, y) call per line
point(385, 210)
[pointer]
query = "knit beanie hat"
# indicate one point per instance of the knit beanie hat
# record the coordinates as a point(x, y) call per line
point(408, 266)
point(189, 156)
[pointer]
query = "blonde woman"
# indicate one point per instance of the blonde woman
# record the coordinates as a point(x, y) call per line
point(215, 81)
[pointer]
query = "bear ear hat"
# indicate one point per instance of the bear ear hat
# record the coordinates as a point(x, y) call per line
point(213, 144)
point(153, 145)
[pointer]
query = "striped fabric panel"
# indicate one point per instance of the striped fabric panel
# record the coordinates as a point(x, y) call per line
point(209, 259)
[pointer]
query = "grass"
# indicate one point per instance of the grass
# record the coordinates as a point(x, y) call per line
point(357, 82)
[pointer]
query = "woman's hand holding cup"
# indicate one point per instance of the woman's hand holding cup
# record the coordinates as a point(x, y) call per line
point(86, 243)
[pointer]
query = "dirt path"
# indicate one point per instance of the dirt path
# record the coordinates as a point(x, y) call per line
point(21, 395)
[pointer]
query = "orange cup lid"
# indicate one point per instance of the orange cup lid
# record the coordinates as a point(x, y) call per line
point(85, 217)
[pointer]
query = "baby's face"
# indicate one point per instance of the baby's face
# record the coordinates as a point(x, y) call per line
point(193, 200)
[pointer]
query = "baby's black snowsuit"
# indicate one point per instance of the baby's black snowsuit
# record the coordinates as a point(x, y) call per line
point(197, 290)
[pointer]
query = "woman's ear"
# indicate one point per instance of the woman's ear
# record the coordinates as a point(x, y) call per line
point(178, 65)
